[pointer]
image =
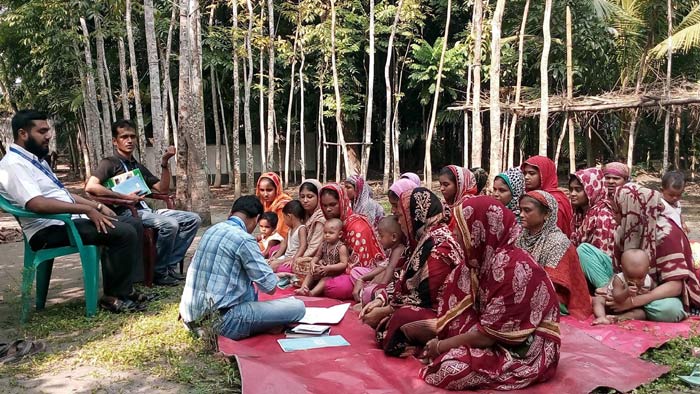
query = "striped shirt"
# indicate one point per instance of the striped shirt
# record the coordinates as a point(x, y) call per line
point(226, 264)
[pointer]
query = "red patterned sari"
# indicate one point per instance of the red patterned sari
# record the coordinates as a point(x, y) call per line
point(415, 293)
point(505, 295)
point(596, 225)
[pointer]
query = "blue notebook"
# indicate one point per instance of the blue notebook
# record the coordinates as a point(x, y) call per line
point(294, 344)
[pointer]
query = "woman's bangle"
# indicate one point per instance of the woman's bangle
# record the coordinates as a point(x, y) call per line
point(437, 347)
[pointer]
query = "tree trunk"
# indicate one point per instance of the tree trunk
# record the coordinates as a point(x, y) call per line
point(104, 93)
point(367, 146)
point(146, 158)
point(192, 185)
point(544, 78)
point(427, 165)
point(235, 129)
point(110, 97)
point(387, 89)
point(166, 97)
point(223, 123)
point(271, 116)
point(467, 103)
point(561, 139)
point(123, 81)
point(349, 170)
point(677, 142)
point(518, 86)
point(495, 152)
point(570, 90)
point(154, 81)
point(261, 100)
point(248, 72)
point(92, 113)
point(477, 137)
point(395, 132)
point(323, 131)
point(214, 104)
point(83, 143)
point(669, 56)
point(302, 140)
point(290, 103)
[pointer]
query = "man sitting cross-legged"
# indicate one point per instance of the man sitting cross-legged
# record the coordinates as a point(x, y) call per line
point(26, 181)
point(220, 279)
point(176, 229)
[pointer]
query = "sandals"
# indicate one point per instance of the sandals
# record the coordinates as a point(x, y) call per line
point(142, 297)
point(19, 350)
point(115, 305)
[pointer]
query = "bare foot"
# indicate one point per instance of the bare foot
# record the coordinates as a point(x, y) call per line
point(304, 291)
point(357, 307)
point(601, 320)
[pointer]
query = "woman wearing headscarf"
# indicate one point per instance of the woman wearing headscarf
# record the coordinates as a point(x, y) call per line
point(541, 174)
point(644, 226)
point(594, 224)
point(396, 190)
point(554, 252)
point(508, 187)
point(273, 198)
point(360, 195)
point(413, 177)
point(616, 174)
point(358, 236)
point(498, 315)
point(456, 185)
point(481, 177)
point(309, 198)
point(403, 312)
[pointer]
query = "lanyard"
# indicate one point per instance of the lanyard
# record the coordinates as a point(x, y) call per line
point(49, 174)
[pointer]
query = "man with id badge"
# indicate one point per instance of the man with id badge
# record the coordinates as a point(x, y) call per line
point(176, 229)
point(26, 181)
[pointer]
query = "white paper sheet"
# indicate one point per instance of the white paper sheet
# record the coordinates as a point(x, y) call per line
point(331, 315)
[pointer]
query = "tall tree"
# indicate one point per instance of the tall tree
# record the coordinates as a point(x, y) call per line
point(123, 81)
point(477, 133)
point(271, 116)
point(518, 85)
point(544, 78)
point(214, 103)
point(428, 167)
point(144, 156)
point(669, 57)
point(104, 93)
point(235, 130)
point(290, 103)
point(387, 89)
point(92, 113)
point(496, 152)
point(157, 122)
point(302, 147)
point(367, 141)
point(349, 170)
point(192, 185)
point(248, 72)
point(570, 89)
point(261, 100)
point(167, 96)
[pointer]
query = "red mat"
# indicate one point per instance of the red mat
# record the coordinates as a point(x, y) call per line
point(361, 367)
point(634, 337)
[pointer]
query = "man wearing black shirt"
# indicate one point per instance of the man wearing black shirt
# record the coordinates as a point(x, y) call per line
point(176, 229)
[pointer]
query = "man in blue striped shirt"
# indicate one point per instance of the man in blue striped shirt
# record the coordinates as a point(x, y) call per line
point(226, 264)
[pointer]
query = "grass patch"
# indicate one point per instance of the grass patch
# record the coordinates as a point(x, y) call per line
point(677, 354)
point(153, 343)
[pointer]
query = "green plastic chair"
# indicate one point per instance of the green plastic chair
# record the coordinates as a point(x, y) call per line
point(41, 263)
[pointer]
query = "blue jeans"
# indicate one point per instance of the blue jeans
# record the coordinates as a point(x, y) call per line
point(254, 317)
point(176, 231)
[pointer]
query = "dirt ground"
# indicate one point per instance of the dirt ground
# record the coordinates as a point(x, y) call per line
point(66, 285)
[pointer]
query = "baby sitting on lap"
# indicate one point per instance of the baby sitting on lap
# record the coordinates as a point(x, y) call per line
point(633, 280)
point(330, 260)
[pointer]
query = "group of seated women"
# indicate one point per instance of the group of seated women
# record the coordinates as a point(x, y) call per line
point(475, 285)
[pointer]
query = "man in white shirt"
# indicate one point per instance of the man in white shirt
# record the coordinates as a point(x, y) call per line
point(26, 181)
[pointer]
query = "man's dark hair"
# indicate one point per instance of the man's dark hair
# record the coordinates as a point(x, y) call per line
point(673, 180)
point(271, 218)
point(122, 124)
point(248, 205)
point(24, 119)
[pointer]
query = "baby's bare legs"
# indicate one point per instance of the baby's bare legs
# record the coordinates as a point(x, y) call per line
point(319, 288)
point(304, 289)
point(599, 311)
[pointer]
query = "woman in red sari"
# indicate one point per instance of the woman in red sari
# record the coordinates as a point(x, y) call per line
point(554, 252)
point(541, 174)
point(644, 226)
point(273, 198)
point(457, 184)
point(358, 236)
point(403, 312)
point(498, 324)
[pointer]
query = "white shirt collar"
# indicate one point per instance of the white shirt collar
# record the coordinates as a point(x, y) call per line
point(26, 152)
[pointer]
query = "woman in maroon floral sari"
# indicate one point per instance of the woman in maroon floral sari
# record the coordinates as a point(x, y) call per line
point(498, 324)
point(403, 312)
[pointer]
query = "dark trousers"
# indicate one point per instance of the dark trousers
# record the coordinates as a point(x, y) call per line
point(124, 249)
